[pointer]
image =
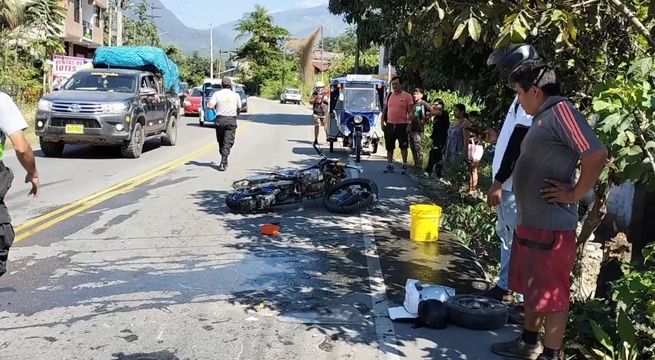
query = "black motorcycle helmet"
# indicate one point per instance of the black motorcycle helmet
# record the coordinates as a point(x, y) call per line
point(432, 314)
point(508, 59)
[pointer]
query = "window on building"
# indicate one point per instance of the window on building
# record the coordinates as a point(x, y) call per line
point(77, 7)
point(98, 16)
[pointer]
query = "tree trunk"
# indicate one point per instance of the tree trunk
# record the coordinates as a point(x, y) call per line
point(595, 215)
point(651, 9)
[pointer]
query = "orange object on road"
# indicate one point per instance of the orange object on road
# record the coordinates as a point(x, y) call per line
point(269, 229)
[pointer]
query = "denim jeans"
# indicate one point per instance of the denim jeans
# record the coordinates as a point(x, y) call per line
point(505, 229)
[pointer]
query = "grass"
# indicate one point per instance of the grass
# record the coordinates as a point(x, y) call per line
point(29, 112)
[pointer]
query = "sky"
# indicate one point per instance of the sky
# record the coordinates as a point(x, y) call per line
point(200, 13)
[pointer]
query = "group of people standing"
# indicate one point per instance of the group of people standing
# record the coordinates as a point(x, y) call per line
point(404, 121)
point(546, 159)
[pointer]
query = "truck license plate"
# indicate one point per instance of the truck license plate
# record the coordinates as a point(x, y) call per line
point(74, 129)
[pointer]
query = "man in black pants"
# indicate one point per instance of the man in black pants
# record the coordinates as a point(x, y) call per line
point(227, 104)
point(439, 136)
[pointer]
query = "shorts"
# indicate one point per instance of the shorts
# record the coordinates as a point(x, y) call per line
point(393, 132)
point(540, 266)
point(319, 120)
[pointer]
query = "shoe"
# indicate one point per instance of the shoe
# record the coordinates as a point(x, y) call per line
point(389, 169)
point(404, 170)
point(315, 141)
point(517, 349)
point(222, 167)
point(500, 294)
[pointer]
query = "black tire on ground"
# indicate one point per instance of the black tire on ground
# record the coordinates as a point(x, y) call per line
point(476, 312)
point(51, 149)
point(358, 148)
point(170, 137)
point(361, 205)
point(133, 148)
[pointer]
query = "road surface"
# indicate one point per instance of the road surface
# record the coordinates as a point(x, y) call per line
point(140, 259)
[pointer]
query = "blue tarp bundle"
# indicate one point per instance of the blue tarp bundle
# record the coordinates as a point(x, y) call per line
point(140, 57)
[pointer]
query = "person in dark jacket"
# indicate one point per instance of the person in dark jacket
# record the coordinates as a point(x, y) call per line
point(440, 125)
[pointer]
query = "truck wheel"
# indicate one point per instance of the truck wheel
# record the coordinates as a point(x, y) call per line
point(51, 149)
point(170, 137)
point(134, 147)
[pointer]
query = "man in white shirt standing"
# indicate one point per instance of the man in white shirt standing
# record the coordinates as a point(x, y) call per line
point(508, 148)
point(12, 125)
point(228, 105)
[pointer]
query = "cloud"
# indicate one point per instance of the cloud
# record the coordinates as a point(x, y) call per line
point(312, 3)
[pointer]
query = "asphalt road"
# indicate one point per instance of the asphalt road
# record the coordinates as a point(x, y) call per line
point(160, 269)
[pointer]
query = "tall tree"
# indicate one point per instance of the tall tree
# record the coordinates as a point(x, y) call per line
point(141, 29)
point(262, 50)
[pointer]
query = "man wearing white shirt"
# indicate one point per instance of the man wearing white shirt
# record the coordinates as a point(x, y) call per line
point(12, 124)
point(227, 104)
point(508, 148)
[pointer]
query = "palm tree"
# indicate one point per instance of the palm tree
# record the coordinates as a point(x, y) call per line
point(254, 22)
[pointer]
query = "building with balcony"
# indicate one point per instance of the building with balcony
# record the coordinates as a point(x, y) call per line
point(84, 26)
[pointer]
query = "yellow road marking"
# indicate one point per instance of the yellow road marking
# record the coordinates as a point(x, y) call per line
point(47, 220)
point(26, 230)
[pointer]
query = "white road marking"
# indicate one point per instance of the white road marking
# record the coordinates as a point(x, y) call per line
point(383, 326)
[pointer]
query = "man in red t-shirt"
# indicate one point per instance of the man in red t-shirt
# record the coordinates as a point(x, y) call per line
point(396, 117)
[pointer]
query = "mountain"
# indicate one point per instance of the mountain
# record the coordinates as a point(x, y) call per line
point(300, 23)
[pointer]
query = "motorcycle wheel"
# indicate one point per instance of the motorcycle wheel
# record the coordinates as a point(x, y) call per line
point(358, 148)
point(351, 196)
point(245, 203)
point(476, 312)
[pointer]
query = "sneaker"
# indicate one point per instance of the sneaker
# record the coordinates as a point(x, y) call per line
point(222, 167)
point(500, 294)
point(315, 141)
point(517, 349)
point(404, 170)
point(389, 169)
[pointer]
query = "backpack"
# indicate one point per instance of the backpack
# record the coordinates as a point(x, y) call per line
point(317, 106)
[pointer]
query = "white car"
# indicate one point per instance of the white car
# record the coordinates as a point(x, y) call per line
point(291, 95)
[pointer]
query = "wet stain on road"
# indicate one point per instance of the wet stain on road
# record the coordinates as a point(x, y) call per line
point(160, 355)
point(113, 222)
point(130, 338)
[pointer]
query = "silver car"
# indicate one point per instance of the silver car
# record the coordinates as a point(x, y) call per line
point(291, 95)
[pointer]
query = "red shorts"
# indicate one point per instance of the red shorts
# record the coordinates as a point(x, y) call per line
point(540, 266)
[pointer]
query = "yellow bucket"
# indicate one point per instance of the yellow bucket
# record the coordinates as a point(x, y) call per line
point(425, 221)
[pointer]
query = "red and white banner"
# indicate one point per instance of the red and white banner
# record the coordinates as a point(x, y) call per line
point(65, 66)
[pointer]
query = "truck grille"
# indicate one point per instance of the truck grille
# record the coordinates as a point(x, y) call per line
point(88, 123)
point(77, 107)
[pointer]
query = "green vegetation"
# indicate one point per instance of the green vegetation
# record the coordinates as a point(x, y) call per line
point(603, 53)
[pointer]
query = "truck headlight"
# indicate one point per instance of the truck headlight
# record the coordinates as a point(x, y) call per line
point(44, 105)
point(358, 119)
point(115, 108)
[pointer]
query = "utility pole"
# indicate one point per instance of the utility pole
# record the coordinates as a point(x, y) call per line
point(111, 22)
point(119, 22)
point(211, 51)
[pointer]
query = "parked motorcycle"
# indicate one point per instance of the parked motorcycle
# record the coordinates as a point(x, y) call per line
point(327, 180)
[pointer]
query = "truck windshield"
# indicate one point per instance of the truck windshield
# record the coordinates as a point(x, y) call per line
point(102, 81)
point(361, 100)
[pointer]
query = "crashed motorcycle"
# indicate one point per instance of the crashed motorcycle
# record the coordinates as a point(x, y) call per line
point(327, 180)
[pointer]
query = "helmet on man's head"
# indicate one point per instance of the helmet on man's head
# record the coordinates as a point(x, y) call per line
point(509, 58)
point(319, 85)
